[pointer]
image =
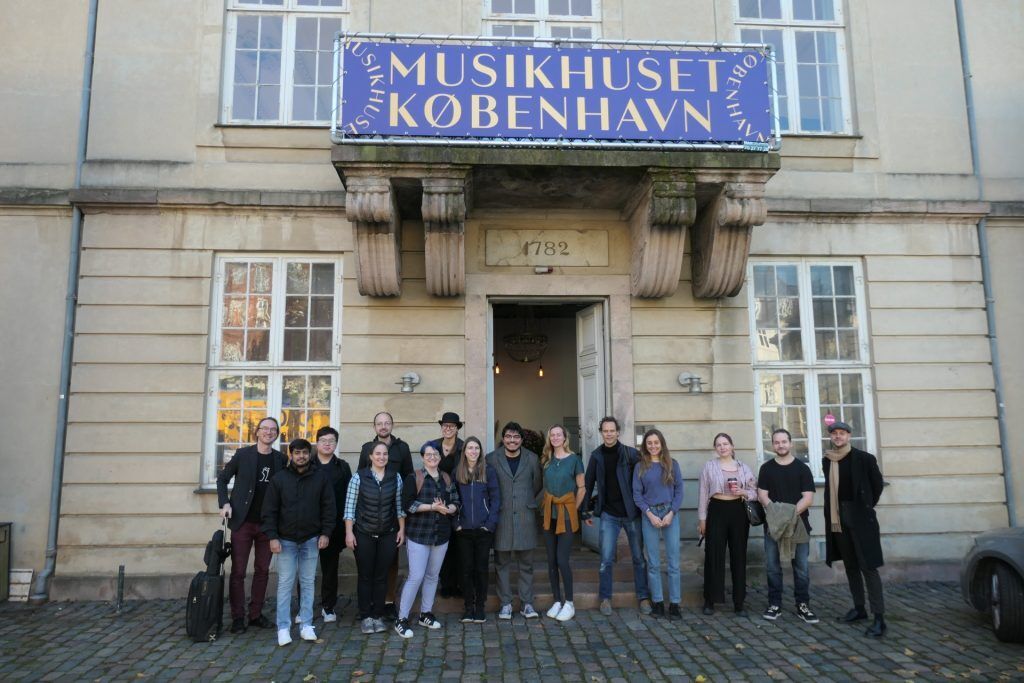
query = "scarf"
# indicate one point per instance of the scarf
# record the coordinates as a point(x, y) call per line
point(834, 457)
point(566, 508)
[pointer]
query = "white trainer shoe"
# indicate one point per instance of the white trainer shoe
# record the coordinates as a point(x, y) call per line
point(329, 616)
point(284, 636)
point(555, 609)
point(567, 612)
point(307, 632)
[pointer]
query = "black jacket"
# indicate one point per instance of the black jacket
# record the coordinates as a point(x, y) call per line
point(867, 489)
point(628, 458)
point(299, 506)
point(339, 474)
point(376, 510)
point(242, 467)
point(399, 458)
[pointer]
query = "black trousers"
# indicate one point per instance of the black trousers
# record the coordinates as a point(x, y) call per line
point(727, 528)
point(474, 547)
point(451, 572)
point(857, 574)
point(374, 555)
point(329, 570)
point(559, 547)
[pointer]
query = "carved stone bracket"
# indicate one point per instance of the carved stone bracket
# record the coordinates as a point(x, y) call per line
point(445, 200)
point(659, 211)
point(720, 242)
point(372, 209)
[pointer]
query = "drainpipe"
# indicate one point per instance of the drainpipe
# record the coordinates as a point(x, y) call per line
point(41, 590)
point(986, 269)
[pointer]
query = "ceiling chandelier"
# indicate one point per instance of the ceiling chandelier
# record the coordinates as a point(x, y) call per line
point(525, 347)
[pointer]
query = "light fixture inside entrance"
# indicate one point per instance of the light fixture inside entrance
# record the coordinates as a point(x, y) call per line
point(525, 347)
point(540, 370)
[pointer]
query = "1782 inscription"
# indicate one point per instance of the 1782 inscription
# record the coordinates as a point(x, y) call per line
point(510, 247)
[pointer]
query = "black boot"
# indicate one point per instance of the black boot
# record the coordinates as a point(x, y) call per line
point(657, 609)
point(674, 612)
point(855, 614)
point(877, 629)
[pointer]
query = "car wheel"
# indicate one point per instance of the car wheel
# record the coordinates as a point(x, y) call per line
point(1007, 604)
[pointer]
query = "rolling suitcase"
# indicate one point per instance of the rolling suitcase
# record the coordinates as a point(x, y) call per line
point(204, 611)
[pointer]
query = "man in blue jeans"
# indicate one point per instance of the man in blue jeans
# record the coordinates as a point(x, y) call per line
point(610, 472)
point(784, 479)
point(299, 515)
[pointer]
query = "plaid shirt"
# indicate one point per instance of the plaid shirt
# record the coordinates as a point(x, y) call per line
point(429, 528)
point(352, 497)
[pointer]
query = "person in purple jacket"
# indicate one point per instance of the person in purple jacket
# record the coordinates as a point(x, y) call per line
point(477, 519)
point(658, 493)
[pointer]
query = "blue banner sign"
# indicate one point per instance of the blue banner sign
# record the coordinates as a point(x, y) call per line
point(396, 89)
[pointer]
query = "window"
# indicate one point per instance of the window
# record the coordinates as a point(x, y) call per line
point(810, 53)
point(275, 351)
point(278, 61)
point(544, 18)
point(810, 353)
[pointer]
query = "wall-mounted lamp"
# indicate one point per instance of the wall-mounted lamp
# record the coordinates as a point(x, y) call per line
point(409, 382)
point(540, 371)
point(691, 382)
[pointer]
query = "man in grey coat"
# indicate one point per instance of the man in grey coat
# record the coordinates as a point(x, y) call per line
point(521, 480)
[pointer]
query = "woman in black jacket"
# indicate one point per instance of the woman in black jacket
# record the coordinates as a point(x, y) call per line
point(480, 496)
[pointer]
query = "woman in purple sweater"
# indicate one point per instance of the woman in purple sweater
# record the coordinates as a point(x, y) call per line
point(658, 492)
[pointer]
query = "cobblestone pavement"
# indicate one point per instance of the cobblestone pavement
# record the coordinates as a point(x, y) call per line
point(933, 635)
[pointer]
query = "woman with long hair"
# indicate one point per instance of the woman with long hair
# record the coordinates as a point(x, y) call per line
point(430, 499)
point(480, 496)
point(563, 495)
point(658, 493)
point(725, 483)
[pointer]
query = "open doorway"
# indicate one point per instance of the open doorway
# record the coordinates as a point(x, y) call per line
point(549, 366)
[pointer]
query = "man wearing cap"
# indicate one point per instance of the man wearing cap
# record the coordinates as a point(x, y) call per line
point(853, 485)
point(449, 445)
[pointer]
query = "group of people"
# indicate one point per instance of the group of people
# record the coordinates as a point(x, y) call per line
point(461, 505)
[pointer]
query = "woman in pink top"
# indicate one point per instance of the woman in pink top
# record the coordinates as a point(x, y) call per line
point(725, 483)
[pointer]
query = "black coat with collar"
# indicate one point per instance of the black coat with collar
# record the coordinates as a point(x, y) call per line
point(242, 467)
point(628, 458)
point(399, 457)
point(867, 489)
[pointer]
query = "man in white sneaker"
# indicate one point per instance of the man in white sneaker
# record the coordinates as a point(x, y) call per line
point(299, 515)
point(784, 480)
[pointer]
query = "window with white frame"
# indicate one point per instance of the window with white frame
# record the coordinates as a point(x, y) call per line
point(810, 350)
point(543, 18)
point(275, 351)
point(278, 61)
point(807, 39)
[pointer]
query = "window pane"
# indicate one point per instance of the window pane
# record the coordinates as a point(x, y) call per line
point(257, 345)
point(749, 9)
point(261, 276)
point(824, 10)
point(298, 278)
point(852, 389)
point(793, 389)
point(296, 313)
point(322, 314)
point(259, 312)
point(305, 405)
point(824, 316)
point(304, 72)
point(766, 313)
point(320, 392)
point(821, 281)
point(846, 312)
point(844, 280)
point(789, 312)
point(270, 32)
point(526, 6)
point(771, 9)
point(304, 104)
point(247, 32)
point(826, 345)
point(295, 345)
point(320, 345)
point(582, 8)
point(787, 281)
point(764, 281)
point(558, 7)
point(323, 278)
point(501, 6)
point(802, 10)
point(848, 345)
point(268, 102)
point(293, 392)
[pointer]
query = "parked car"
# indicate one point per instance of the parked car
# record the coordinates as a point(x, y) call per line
point(992, 580)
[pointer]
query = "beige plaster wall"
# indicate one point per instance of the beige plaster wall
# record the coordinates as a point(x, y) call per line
point(40, 85)
point(33, 279)
point(1006, 244)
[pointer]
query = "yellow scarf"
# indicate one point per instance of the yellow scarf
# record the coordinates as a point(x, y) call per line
point(834, 457)
point(566, 509)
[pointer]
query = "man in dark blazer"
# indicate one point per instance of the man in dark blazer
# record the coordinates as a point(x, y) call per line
point(853, 485)
point(251, 468)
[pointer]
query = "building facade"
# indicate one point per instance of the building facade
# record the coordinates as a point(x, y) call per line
point(233, 262)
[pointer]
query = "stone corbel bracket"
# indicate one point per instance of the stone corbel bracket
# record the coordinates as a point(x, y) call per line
point(445, 201)
point(659, 211)
point(372, 208)
point(720, 240)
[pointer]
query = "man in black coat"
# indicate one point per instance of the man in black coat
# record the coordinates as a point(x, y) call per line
point(338, 474)
point(399, 461)
point(853, 485)
point(251, 468)
point(299, 515)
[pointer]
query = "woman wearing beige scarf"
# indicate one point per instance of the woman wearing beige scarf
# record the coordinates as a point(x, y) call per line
point(854, 484)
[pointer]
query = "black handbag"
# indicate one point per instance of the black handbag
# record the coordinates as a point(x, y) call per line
point(755, 512)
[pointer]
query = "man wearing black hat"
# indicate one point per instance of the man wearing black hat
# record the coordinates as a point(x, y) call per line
point(853, 485)
point(449, 445)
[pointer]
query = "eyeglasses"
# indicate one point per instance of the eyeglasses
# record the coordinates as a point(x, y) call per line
point(431, 454)
point(267, 429)
point(328, 442)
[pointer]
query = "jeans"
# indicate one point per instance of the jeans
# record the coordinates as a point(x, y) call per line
point(424, 568)
point(474, 552)
point(243, 541)
point(773, 566)
point(609, 532)
point(652, 546)
point(296, 557)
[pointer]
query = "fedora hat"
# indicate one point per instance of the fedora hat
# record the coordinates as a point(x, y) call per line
point(451, 417)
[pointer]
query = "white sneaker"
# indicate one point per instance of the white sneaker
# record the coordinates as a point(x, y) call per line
point(298, 620)
point(567, 612)
point(284, 636)
point(307, 632)
point(506, 612)
point(529, 612)
point(555, 609)
point(329, 617)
